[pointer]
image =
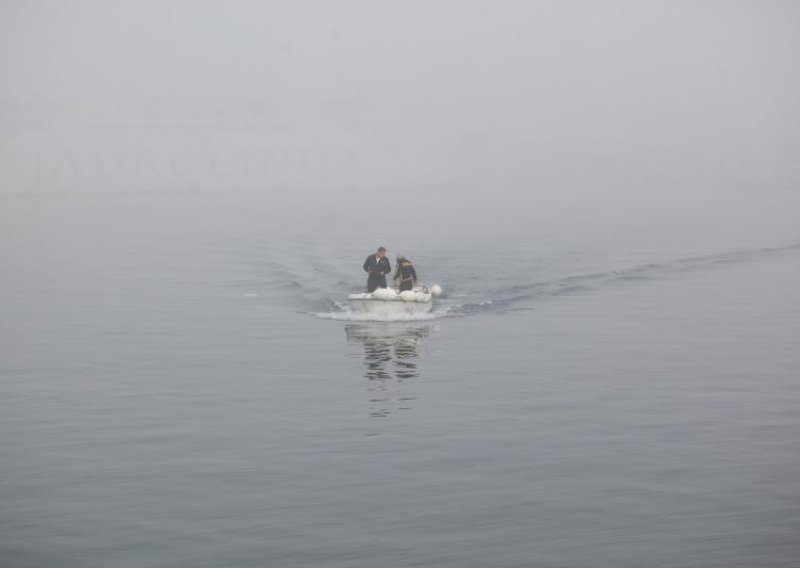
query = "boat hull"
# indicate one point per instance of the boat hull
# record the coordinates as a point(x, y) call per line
point(387, 304)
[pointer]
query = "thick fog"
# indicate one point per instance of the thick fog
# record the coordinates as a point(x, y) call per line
point(191, 374)
point(521, 102)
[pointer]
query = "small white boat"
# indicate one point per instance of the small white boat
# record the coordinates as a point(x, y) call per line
point(387, 303)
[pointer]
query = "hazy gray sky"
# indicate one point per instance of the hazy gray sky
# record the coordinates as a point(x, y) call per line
point(572, 98)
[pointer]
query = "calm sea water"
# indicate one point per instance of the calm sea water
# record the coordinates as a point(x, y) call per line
point(181, 387)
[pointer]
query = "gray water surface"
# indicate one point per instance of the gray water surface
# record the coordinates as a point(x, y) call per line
point(180, 387)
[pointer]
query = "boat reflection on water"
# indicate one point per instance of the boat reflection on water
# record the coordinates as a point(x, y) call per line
point(391, 356)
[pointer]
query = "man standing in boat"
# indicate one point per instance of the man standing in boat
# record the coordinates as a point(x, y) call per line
point(405, 274)
point(377, 266)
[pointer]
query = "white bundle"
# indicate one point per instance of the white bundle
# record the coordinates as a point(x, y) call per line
point(384, 294)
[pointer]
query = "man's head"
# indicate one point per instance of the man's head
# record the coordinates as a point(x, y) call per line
point(381, 252)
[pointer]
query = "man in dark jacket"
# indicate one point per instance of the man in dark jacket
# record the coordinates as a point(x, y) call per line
point(405, 274)
point(377, 266)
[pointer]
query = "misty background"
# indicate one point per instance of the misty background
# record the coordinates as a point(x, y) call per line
point(632, 101)
point(606, 191)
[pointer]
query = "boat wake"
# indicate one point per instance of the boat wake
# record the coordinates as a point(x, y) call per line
point(342, 312)
point(475, 297)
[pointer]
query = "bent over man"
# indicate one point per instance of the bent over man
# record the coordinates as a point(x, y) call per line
point(405, 273)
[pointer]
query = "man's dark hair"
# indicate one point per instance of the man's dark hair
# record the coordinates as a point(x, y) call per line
point(381, 249)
